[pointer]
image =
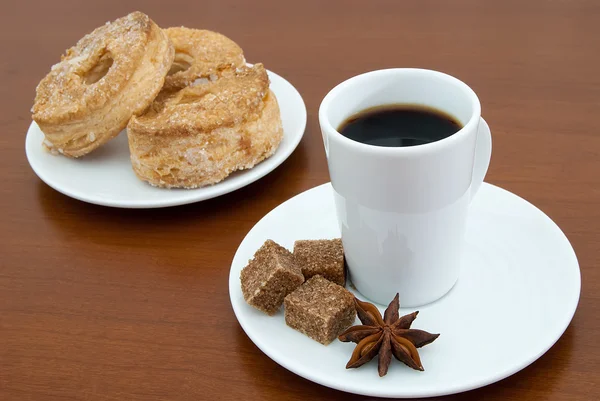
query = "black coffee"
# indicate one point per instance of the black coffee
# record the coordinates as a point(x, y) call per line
point(399, 125)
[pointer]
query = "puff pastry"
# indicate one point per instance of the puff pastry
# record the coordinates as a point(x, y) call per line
point(110, 75)
point(199, 135)
point(200, 53)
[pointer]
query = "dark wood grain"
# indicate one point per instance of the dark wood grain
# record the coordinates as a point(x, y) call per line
point(100, 303)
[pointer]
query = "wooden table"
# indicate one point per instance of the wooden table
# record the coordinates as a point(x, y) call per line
point(101, 303)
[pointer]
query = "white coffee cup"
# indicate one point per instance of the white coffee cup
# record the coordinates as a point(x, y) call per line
point(403, 210)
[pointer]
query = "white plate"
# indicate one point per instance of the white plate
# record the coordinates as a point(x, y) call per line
point(105, 177)
point(516, 295)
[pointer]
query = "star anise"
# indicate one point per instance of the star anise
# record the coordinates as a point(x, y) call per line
point(388, 335)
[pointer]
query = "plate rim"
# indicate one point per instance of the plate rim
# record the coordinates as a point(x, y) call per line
point(191, 195)
point(454, 389)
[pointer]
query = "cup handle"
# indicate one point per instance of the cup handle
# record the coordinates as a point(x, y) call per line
point(483, 154)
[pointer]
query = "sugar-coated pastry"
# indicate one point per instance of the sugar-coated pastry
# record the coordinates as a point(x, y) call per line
point(200, 53)
point(110, 75)
point(199, 135)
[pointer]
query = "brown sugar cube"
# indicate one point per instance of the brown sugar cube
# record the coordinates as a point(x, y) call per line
point(269, 277)
point(320, 309)
point(323, 257)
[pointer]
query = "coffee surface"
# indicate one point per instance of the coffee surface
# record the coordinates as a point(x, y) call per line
point(399, 125)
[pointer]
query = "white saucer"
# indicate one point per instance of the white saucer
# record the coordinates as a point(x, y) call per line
point(105, 177)
point(516, 295)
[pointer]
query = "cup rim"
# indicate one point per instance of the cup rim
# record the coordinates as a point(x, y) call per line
point(432, 146)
